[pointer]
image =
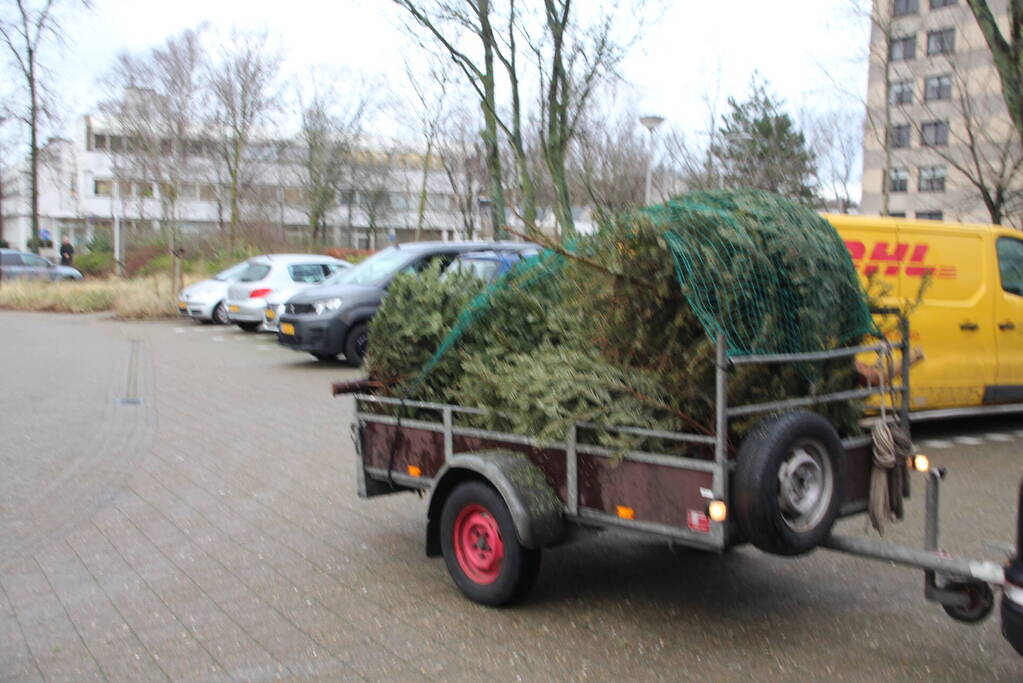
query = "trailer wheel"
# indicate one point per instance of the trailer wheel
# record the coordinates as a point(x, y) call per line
point(981, 601)
point(481, 549)
point(788, 483)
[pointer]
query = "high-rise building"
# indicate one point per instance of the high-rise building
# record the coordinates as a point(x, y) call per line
point(939, 143)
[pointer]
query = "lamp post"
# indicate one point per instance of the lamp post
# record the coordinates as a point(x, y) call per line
point(650, 122)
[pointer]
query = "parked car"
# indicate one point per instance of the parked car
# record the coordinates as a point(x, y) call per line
point(206, 301)
point(265, 275)
point(20, 265)
point(334, 318)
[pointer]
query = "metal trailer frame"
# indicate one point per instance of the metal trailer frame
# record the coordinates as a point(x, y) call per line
point(936, 565)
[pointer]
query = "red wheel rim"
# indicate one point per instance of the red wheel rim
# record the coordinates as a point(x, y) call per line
point(478, 545)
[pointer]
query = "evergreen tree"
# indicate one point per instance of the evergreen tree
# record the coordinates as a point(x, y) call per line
point(760, 147)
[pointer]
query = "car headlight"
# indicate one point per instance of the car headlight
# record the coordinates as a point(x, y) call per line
point(326, 306)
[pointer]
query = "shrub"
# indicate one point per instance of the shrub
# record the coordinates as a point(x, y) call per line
point(162, 263)
point(95, 262)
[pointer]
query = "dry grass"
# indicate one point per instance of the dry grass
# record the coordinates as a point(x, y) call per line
point(147, 298)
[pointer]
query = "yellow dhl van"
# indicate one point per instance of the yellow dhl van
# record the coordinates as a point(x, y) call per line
point(969, 325)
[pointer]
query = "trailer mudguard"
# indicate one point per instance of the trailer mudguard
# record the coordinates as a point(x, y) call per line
point(535, 508)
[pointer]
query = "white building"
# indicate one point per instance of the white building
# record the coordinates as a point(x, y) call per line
point(86, 189)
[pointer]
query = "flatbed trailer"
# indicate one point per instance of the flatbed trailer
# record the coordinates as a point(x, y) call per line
point(496, 499)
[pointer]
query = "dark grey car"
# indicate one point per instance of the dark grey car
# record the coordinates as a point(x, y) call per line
point(20, 265)
point(333, 318)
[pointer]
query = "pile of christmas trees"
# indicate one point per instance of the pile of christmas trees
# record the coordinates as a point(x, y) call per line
point(619, 327)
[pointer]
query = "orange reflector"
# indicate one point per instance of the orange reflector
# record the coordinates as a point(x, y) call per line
point(625, 512)
point(921, 463)
point(717, 510)
point(414, 471)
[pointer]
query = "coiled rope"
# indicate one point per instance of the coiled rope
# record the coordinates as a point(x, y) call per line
point(891, 442)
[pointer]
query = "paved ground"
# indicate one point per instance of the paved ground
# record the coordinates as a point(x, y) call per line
point(177, 502)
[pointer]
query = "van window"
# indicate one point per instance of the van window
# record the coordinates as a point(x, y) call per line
point(1010, 264)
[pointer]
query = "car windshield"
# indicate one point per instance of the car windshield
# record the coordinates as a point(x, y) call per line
point(232, 273)
point(253, 272)
point(375, 270)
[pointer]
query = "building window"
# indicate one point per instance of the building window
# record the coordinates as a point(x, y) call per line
point(898, 180)
point(902, 49)
point(901, 8)
point(934, 134)
point(941, 42)
point(207, 193)
point(100, 142)
point(932, 179)
point(938, 4)
point(930, 215)
point(102, 188)
point(897, 214)
point(938, 88)
point(900, 136)
point(901, 92)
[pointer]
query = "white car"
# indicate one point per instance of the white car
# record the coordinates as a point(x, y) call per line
point(274, 275)
point(206, 301)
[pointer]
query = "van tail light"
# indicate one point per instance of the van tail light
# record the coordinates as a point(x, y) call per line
point(259, 293)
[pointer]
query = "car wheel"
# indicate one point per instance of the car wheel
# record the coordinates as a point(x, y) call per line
point(481, 549)
point(788, 483)
point(356, 344)
point(220, 314)
point(324, 357)
point(248, 326)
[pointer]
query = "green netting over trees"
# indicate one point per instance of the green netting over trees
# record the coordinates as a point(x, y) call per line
point(770, 275)
point(619, 327)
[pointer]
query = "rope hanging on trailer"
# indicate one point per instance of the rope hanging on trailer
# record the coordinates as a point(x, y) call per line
point(891, 446)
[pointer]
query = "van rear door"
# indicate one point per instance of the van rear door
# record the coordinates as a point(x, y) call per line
point(1008, 321)
point(953, 325)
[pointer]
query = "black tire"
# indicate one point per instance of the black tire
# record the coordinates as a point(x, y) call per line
point(519, 566)
point(356, 344)
point(324, 357)
point(219, 316)
point(248, 326)
point(981, 601)
point(789, 483)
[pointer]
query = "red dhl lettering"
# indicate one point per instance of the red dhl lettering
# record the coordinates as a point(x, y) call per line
point(892, 259)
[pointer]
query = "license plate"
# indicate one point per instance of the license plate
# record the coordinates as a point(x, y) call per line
point(182, 305)
point(287, 328)
point(234, 309)
point(271, 314)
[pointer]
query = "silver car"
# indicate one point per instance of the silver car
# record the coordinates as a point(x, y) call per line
point(272, 274)
point(206, 301)
point(20, 265)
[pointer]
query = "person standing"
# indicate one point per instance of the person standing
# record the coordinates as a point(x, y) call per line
point(67, 252)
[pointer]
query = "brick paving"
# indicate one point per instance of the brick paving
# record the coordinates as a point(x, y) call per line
point(177, 502)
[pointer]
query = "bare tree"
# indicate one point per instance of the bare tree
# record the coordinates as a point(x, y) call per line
point(428, 105)
point(608, 160)
point(446, 21)
point(835, 138)
point(25, 32)
point(1005, 53)
point(574, 57)
point(330, 128)
point(160, 125)
point(987, 155)
point(463, 160)
point(243, 85)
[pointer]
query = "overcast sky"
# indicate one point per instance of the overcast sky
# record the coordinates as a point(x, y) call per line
point(694, 46)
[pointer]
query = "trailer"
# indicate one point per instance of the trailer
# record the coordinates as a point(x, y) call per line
point(496, 499)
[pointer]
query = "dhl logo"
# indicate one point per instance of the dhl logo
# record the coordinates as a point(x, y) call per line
point(892, 261)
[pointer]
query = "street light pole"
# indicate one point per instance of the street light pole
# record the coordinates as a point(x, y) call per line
point(650, 122)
